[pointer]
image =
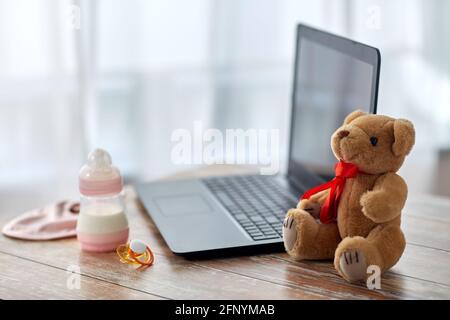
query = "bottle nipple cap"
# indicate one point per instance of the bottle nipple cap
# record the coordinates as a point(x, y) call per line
point(98, 176)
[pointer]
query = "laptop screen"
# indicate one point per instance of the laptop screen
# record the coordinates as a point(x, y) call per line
point(333, 77)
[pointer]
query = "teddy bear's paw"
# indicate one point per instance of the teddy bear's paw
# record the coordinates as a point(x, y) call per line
point(353, 265)
point(289, 232)
point(313, 208)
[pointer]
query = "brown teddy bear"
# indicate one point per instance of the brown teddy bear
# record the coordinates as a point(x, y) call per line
point(360, 209)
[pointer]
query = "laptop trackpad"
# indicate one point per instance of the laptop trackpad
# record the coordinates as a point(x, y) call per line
point(183, 204)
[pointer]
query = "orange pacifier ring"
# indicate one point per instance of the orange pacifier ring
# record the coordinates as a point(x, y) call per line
point(136, 252)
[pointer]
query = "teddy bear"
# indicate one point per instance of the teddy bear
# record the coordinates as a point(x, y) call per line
point(360, 209)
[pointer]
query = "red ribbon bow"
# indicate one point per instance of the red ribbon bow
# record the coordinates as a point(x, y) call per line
point(343, 171)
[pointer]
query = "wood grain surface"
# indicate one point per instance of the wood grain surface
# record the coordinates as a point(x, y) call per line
point(39, 270)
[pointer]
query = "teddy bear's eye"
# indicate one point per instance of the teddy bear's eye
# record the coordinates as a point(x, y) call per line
point(374, 141)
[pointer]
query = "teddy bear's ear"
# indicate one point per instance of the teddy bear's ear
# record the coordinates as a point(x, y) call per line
point(352, 116)
point(404, 137)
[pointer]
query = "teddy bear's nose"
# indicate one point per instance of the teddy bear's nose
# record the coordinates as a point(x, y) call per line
point(343, 133)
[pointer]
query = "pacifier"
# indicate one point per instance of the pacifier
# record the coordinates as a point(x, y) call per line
point(135, 252)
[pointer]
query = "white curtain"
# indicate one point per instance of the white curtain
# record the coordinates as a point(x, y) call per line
point(39, 133)
point(128, 73)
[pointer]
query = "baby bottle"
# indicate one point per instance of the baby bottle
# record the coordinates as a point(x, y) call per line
point(102, 224)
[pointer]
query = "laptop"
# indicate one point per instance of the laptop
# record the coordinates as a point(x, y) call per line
point(332, 77)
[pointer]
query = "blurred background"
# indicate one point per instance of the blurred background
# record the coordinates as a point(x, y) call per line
point(122, 75)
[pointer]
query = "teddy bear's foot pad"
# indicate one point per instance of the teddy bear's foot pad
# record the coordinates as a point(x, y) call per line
point(353, 265)
point(289, 232)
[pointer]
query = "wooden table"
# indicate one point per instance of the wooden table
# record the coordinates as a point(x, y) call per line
point(38, 270)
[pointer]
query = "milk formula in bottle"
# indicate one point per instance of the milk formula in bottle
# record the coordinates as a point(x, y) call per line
point(102, 223)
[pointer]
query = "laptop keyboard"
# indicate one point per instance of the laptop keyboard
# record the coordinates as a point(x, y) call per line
point(257, 203)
